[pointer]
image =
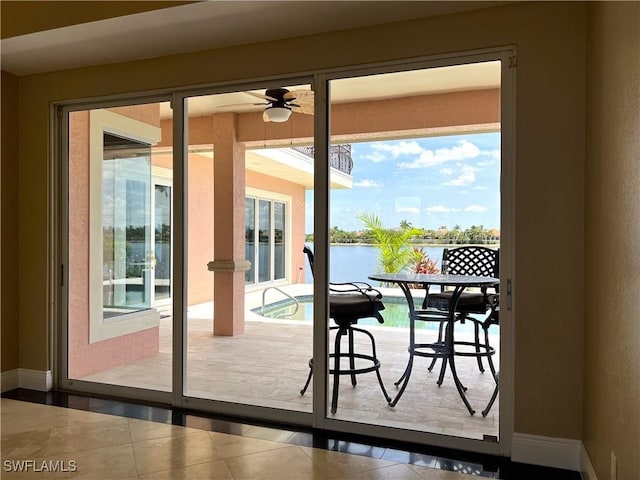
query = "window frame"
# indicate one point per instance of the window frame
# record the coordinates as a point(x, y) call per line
point(271, 197)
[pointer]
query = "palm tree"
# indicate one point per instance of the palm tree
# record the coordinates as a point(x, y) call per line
point(395, 252)
point(405, 225)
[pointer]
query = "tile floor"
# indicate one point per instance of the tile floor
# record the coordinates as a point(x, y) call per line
point(96, 440)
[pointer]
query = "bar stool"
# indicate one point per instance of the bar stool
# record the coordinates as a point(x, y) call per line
point(473, 260)
point(348, 303)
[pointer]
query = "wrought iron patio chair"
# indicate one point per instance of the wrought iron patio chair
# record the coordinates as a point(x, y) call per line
point(469, 260)
point(492, 319)
point(348, 303)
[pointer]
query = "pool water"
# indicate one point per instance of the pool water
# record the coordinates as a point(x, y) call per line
point(395, 314)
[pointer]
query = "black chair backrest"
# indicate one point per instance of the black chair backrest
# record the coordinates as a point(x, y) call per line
point(351, 300)
point(477, 261)
point(309, 254)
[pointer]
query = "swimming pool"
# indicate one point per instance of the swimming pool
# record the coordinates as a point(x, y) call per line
point(395, 314)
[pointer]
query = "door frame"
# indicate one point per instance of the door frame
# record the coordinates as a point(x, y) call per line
point(322, 419)
point(60, 249)
point(319, 418)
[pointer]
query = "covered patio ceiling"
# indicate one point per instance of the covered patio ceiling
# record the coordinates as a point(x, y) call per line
point(455, 78)
point(447, 100)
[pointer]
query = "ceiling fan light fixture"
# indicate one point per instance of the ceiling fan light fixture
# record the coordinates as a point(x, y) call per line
point(277, 114)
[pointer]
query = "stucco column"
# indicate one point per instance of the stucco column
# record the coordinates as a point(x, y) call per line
point(229, 262)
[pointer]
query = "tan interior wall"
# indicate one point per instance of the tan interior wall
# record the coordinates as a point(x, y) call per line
point(9, 216)
point(550, 143)
point(612, 253)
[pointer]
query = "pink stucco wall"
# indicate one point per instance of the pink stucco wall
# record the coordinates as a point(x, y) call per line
point(296, 191)
point(199, 204)
point(201, 201)
point(86, 358)
point(200, 229)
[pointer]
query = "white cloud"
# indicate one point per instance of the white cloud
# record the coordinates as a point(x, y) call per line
point(447, 171)
point(464, 150)
point(481, 187)
point(440, 209)
point(366, 183)
point(415, 210)
point(495, 154)
point(475, 208)
point(375, 157)
point(397, 149)
point(466, 177)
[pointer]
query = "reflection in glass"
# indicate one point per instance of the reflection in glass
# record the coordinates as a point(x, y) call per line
point(126, 218)
point(249, 238)
point(162, 251)
point(279, 239)
point(264, 250)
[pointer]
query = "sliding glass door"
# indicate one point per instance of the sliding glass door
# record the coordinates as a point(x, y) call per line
point(202, 242)
point(425, 177)
point(119, 248)
point(430, 150)
point(249, 322)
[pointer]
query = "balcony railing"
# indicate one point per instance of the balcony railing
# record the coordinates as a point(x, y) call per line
point(339, 156)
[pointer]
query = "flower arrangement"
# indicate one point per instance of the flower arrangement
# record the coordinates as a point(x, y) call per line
point(424, 264)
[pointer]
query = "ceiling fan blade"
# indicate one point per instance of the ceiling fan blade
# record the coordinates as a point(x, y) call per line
point(264, 97)
point(241, 104)
point(300, 96)
point(303, 108)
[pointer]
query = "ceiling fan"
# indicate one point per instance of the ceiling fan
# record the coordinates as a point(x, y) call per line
point(281, 102)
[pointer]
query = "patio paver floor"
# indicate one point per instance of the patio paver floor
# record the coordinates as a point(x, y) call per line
point(268, 366)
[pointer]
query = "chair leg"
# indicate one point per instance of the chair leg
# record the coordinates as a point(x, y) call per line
point(433, 360)
point(476, 331)
point(336, 372)
point(304, 389)
point(351, 355)
point(485, 412)
point(490, 357)
point(374, 354)
point(352, 359)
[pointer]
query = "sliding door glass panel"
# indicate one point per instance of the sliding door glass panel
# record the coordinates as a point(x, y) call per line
point(120, 247)
point(162, 243)
point(249, 327)
point(415, 168)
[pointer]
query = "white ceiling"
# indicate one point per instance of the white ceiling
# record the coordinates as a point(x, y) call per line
point(201, 26)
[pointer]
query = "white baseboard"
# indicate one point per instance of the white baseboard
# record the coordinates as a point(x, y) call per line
point(9, 380)
point(586, 468)
point(36, 379)
point(39, 380)
point(547, 451)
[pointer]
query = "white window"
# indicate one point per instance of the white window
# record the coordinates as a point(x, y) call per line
point(266, 238)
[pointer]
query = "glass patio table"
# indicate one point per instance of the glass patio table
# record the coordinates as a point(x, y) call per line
point(444, 349)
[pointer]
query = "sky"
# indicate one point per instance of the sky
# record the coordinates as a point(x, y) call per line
point(429, 182)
